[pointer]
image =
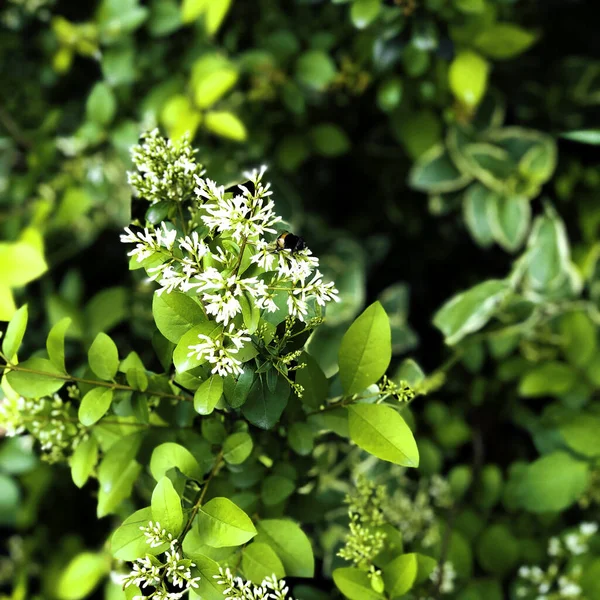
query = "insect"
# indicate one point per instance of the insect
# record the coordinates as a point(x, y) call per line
point(291, 242)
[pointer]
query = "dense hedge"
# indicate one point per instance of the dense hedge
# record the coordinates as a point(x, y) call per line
point(439, 159)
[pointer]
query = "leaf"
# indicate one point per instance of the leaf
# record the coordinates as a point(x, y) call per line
point(582, 434)
point(276, 489)
point(329, 139)
point(94, 405)
point(584, 136)
point(502, 41)
point(208, 394)
point(237, 448)
point(301, 438)
point(366, 350)
point(128, 542)
point(208, 588)
point(355, 584)
point(103, 357)
point(83, 461)
point(475, 211)
point(213, 12)
point(551, 378)
point(468, 77)
point(509, 219)
point(260, 561)
point(180, 117)
point(36, 378)
point(15, 331)
point(469, 311)
point(175, 314)
point(498, 550)
point(166, 507)
point(20, 263)
point(315, 69)
point(225, 124)
point(106, 309)
point(181, 360)
point(264, 407)
point(364, 12)
point(382, 432)
point(313, 380)
point(434, 172)
point(237, 388)
point(212, 77)
point(101, 104)
point(55, 343)
point(291, 545)
point(552, 483)
point(170, 455)
point(400, 574)
point(7, 303)
point(222, 523)
point(81, 576)
point(578, 338)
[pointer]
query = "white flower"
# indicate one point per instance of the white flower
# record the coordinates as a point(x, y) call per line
point(146, 243)
point(156, 535)
point(575, 544)
point(588, 529)
point(215, 351)
point(165, 237)
point(264, 255)
point(194, 245)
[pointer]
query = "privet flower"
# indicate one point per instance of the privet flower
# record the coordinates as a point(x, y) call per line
point(238, 588)
point(153, 572)
point(218, 252)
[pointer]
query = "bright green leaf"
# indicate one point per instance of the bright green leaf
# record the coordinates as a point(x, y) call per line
point(237, 448)
point(166, 507)
point(222, 523)
point(103, 357)
point(208, 394)
point(14, 333)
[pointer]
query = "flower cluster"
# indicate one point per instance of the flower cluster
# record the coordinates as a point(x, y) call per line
point(443, 577)
point(401, 391)
point(49, 420)
point(561, 578)
point(165, 169)
point(414, 513)
point(152, 572)
point(216, 251)
point(364, 540)
point(271, 588)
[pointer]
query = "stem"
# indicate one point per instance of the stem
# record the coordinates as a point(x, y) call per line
point(200, 499)
point(67, 377)
point(13, 129)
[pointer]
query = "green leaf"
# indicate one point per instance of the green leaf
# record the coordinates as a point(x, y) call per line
point(475, 211)
point(355, 584)
point(582, 434)
point(301, 438)
point(7, 303)
point(81, 576)
point(275, 489)
point(498, 550)
point(21, 262)
point(222, 523)
point(212, 11)
point(509, 219)
point(181, 360)
point(585, 136)
point(225, 124)
point(260, 561)
point(103, 357)
point(106, 309)
point(502, 41)
point(315, 69)
point(117, 473)
point(547, 252)
point(552, 483)
point(208, 394)
point(175, 314)
point(237, 388)
point(578, 338)
point(468, 77)
point(264, 407)
point(382, 432)
point(291, 545)
point(366, 350)
point(329, 139)
point(55, 343)
point(313, 380)
point(170, 455)
point(389, 94)
point(94, 405)
point(400, 574)
point(434, 172)
point(101, 104)
point(551, 378)
point(166, 507)
point(36, 379)
point(83, 461)
point(237, 448)
point(208, 588)
point(14, 333)
point(180, 117)
point(212, 77)
point(364, 12)
point(128, 542)
point(469, 311)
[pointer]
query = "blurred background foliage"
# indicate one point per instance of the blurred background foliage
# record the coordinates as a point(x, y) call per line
point(417, 145)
